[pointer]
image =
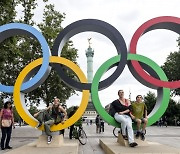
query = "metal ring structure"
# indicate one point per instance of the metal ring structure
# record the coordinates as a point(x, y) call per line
point(19, 101)
point(96, 26)
point(163, 94)
point(134, 61)
point(165, 22)
point(13, 29)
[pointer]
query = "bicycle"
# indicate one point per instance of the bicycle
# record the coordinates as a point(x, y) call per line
point(116, 131)
point(79, 133)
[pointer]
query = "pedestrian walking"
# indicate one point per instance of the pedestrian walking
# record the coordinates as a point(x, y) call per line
point(101, 125)
point(97, 121)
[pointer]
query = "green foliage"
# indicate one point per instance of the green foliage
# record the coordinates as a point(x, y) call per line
point(7, 11)
point(178, 40)
point(70, 109)
point(33, 110)
point(16, 115)
point(171, 112)
point(7, 15)
point(54, 86)
point(172, 67)
point(18, 51)
point(1, 104)
point(150, 100)
point(28, 6)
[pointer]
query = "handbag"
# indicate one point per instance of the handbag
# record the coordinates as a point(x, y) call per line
point(6, 123)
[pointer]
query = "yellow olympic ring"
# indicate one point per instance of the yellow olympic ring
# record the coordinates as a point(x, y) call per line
point(18, 96)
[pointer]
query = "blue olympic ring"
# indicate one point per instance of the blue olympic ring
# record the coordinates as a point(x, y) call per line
point(11, 29)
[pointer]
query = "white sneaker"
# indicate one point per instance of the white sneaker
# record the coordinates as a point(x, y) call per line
point(49, 139)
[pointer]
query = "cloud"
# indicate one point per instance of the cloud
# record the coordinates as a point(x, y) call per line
point(126, 16)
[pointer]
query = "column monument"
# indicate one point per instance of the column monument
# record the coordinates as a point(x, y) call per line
point(90, 113)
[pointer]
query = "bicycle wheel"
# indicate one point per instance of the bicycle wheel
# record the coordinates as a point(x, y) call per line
point(116, 131)
point(82, 136)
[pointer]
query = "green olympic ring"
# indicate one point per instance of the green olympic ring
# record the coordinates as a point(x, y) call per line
point(159, 108)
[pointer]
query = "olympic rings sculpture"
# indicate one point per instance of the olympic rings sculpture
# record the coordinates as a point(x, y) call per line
point(143, 69)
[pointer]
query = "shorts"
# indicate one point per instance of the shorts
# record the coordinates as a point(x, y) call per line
point(142, 119)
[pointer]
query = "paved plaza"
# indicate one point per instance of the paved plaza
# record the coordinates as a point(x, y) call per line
point(167, 136)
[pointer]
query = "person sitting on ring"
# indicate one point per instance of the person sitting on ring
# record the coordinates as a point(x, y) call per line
point(139, 115)
point(122, 108)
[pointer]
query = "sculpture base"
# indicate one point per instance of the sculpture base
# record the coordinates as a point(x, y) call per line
point(57, 141)
point(111, 146)
point(123, 142)
point(64, 146)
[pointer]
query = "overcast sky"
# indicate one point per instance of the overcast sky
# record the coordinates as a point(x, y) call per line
point(126, 16)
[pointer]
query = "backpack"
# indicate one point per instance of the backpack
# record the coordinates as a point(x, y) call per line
point(112, 111)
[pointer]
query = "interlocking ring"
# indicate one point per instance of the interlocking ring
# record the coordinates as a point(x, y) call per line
point(12, 29)
point(162, 97)
point(19, 101)
point(97, 26)
point(137, 64)
point(166, 22)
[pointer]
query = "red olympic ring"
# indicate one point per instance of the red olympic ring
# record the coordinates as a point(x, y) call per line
point(165, 22)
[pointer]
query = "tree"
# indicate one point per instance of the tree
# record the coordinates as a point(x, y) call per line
point(1, 104)
point(70, 109)
point(150, 100)
point(172, 68)
point(178, 40)
point(16, 115)
point(54, 86)
point(17, 52)
point(7, 11)
point(8, 50)
point(171, 112)
point(33, 110)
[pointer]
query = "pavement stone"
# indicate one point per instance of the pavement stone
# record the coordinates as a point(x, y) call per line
point(163, 135)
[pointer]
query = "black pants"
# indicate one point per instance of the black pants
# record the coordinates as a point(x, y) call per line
point(6, 135)
point(62, 132)
point(102, 128)
point(70, 131)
